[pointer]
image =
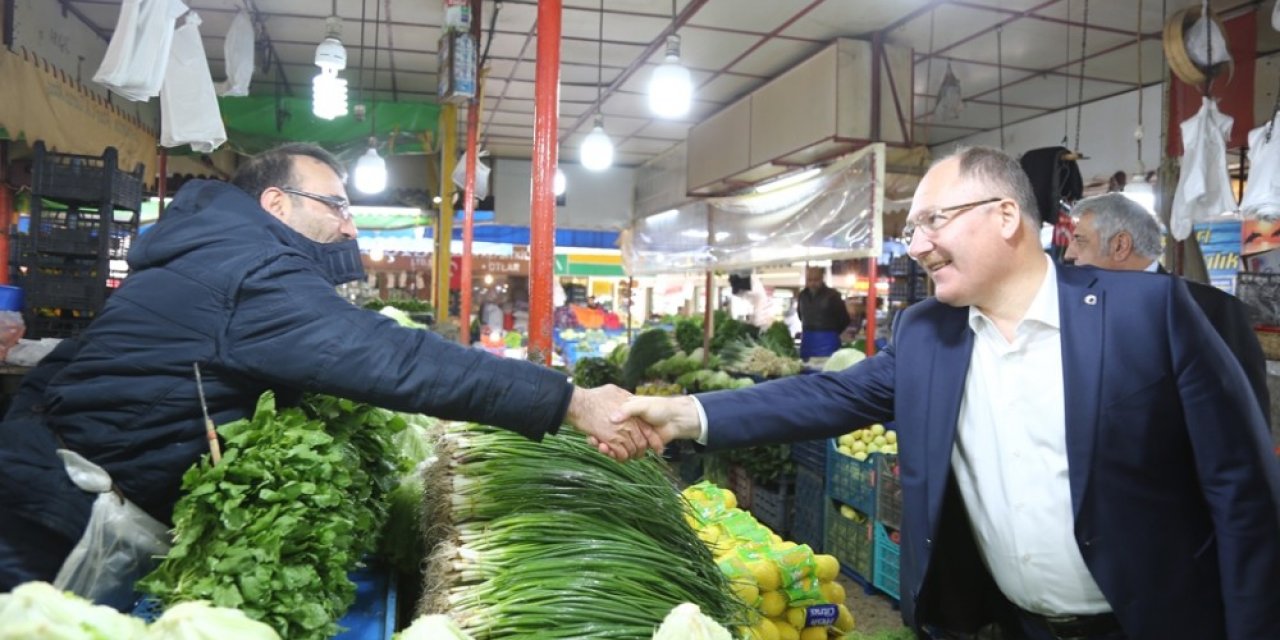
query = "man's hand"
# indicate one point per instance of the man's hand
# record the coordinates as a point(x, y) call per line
point(591, 412)
point(670, 418)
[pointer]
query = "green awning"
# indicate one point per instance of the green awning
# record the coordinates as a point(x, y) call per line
point(256, 123)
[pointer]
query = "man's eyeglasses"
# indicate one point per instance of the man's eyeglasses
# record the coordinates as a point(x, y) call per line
point(934, 219)
point(339, 206)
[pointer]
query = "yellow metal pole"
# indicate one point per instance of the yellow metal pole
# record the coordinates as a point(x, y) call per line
point(444, 230)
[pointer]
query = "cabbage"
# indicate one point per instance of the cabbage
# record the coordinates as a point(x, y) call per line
point(843, 359)
point(433, 627)
point(38, 610)
point(199, 620)
point(687, 622)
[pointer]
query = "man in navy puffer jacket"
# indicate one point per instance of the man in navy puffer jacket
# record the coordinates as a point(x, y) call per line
point(241, 278)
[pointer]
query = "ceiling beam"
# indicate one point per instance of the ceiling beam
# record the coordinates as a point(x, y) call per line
point(1033, 70)
point(983, 32)
point(1035, 16)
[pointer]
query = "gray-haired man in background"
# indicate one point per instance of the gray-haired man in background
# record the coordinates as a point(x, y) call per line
point(1114, 232)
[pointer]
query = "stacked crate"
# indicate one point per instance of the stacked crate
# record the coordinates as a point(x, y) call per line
point(84, 215)
point(851, 509)
point(808, 524)
point(909, 281)
point(888, 523)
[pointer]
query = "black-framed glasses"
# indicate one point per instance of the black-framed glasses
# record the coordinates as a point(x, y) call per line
point(339, 206)
point(934, 219)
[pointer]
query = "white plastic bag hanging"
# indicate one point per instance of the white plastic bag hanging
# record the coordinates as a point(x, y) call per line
point(1204, 187)
point(188, 105)
point(134, 64)
point(482, 176)
point(237, 49)
point(1262, 191)
point(121, 544)
point(1204, 40)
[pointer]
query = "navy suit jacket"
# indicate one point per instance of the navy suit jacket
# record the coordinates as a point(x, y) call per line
point(1175, 489)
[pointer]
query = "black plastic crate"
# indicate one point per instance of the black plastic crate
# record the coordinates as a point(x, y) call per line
point(888, 491)
point(810, 514)
point(87, 179)
point(56, 326)
point(772, 505)
point(810, 454)
point(77, 293)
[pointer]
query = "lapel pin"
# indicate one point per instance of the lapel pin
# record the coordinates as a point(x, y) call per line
point(1091, 299)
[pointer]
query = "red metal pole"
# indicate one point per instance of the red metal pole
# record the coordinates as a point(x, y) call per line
point(542, 223)
point(871, 306)
point(469, 187)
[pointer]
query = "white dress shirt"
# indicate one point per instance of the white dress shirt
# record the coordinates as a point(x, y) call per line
point(1010, 461)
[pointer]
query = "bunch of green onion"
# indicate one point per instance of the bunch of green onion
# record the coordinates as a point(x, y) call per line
point(555, 540)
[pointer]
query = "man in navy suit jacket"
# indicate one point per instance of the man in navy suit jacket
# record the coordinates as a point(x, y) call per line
point(1071, 468)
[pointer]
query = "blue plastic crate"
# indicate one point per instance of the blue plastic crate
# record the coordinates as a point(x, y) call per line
point(850, 481)
point(886, 575)
point(772, 506)
point(810, 454)
point(807, 525)
point(371, 617)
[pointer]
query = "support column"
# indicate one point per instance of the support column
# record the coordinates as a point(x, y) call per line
point(469, 189)
point(444, 230)
point(872, 303)
point(542, 223)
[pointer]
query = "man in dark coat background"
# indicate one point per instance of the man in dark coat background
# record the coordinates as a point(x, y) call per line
point(1114, 232)
point(241, 279)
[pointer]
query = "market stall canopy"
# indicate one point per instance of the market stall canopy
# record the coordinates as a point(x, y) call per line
point(835, 213)
point(257, 123)
point(42, 103)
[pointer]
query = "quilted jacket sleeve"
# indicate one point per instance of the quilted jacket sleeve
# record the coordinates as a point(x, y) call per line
point(288, 327)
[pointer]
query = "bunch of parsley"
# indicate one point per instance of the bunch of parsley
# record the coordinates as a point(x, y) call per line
point(295, 503)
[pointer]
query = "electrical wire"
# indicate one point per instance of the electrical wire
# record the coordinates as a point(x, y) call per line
point(493, 25)
point(1000, 77)
point(1084, 38)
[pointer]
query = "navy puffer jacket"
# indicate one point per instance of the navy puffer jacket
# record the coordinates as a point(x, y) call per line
point(221, 282)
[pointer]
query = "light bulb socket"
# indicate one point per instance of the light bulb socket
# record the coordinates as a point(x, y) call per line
point(673, 46)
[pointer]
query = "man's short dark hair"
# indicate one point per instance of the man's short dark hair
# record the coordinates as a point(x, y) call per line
point(274, 167)
point(1001, 172)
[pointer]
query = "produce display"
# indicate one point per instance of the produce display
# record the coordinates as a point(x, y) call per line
point(751, 358)
point(793, 590)
point(38, 610)
point(860, 444)
point(649, 348)
point(590, 373)
point(556, 540)
point(296, 502)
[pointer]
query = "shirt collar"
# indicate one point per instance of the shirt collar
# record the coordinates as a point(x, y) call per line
point(1153, 267)
point(1043, 309)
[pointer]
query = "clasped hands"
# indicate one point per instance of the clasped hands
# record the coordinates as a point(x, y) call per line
point(623, 426)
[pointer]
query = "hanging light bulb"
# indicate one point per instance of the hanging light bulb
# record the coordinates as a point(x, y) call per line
point(671, 86)
point(596, 152)
point(558, 183)
point(371, 170)
point(1137, 188)
point(950, 101)
point(328, 91)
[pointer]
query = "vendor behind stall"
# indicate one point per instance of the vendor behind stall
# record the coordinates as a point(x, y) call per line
point(822, 316)
point(240, 278)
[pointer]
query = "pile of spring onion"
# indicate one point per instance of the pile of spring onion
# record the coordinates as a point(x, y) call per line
point(555, 540)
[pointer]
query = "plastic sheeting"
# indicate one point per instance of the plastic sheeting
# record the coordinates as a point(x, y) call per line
point(237, 50)
point(835, 214)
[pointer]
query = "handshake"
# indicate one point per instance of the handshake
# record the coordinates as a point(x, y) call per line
point(623, 426)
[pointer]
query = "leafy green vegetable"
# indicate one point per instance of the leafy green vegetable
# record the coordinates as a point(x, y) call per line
point(688, 334)
point(590, 373)
point(649, 348)
point(274, 528)
point(765, 465)
point(777, 338)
